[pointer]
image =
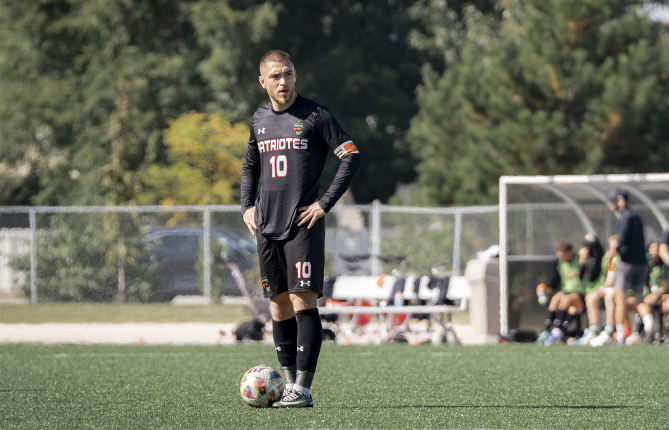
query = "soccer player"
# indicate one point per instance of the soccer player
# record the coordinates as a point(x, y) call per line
point(568, 302)
point(664, 300)
point(631, 270)
point(596, 283)
point(290, 140)
point(655, 287)
point(603, 295)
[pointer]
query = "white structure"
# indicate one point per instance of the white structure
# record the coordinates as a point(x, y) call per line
point(568, 207)
point(13, 242)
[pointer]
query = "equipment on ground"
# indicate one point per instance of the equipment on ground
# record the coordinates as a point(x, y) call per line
point(261, 386)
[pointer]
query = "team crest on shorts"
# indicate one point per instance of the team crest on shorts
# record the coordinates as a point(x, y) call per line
point(265, 284)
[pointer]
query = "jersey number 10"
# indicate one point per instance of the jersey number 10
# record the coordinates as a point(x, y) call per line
point(279, 166)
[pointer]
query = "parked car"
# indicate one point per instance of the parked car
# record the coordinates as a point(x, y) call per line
point(179, 250)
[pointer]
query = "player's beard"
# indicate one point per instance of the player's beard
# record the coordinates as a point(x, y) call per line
point(281, 99)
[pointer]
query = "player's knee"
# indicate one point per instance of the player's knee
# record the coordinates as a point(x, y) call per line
point(281, 307)
point(591, 301)
point(304, 300)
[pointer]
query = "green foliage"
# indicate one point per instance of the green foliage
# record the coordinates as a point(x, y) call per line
point(354, 57)
point(205, 154)
point(88, 86)
point(425, 240)
point(566, 87)
point(82, 257)
point(119, 313)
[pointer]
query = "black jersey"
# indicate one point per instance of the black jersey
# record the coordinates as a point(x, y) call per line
point(287, 149)
point(631, 243)
point(664, 238)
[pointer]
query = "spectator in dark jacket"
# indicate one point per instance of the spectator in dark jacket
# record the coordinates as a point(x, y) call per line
point(631, 272)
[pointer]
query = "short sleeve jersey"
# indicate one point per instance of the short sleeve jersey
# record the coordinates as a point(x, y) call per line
point(291, 147)
point(568, 271)
point(657, 275)
point(613, 263)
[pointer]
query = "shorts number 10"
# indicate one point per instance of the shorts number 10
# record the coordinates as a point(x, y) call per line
point(303, 269)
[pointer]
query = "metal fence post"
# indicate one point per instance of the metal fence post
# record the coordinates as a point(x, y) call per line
point(207, 254)
point(457, 236)
point(33, 256)
point(503, 289)
point(376, 238)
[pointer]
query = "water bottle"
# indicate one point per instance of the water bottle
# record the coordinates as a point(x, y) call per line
point(543, 298)
point(399, 300)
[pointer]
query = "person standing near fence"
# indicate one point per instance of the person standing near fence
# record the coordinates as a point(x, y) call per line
point(290, 139)
point(631, 271)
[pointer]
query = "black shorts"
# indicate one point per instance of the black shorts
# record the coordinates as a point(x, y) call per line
point(294, 264)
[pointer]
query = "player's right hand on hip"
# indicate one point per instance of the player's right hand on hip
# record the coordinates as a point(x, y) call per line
point(250, 219)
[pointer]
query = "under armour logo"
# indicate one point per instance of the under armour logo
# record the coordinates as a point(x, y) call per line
point(261, 131)
point(305, 283)
point(300, 348)
point(278, 348)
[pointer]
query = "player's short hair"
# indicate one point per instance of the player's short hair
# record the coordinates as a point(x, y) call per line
point(275, 56)
point(564, 246)
point(617, 195)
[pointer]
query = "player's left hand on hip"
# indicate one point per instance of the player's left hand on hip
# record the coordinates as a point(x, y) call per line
point(310, 214)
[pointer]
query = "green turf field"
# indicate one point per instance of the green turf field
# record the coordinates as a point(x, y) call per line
point(119, 313)
point(135, 312)
point(388, 386)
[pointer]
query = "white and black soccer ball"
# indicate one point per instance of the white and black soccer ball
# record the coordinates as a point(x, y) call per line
point(261, 386)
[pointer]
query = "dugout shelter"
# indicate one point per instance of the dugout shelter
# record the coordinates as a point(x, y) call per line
point(535, 212)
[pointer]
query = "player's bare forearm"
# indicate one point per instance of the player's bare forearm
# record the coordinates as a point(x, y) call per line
point(310, 214)
point(250, 219)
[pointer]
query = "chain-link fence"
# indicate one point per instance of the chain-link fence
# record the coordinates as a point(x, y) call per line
point(154, 253)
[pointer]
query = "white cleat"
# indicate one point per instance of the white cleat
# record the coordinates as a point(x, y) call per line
point(634, 339)
point(603, 339)
point(587, 338)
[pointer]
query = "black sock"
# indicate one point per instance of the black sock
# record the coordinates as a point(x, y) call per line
point(549, 320)
point(285, 343)
point(639, 323)
point(309, 340)
point(559, 318)
point(568, 319)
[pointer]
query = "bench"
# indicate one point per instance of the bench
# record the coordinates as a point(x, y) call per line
point(378, 290)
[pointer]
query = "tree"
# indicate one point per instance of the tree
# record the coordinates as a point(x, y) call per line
point(204, 162)
point(567, 87)
point(78, 260)
point(87, 84)
point(351, 56)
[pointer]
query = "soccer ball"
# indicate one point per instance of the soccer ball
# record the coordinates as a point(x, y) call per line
point(261, 386)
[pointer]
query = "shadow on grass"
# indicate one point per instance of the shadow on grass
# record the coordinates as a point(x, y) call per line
point(498, 406)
